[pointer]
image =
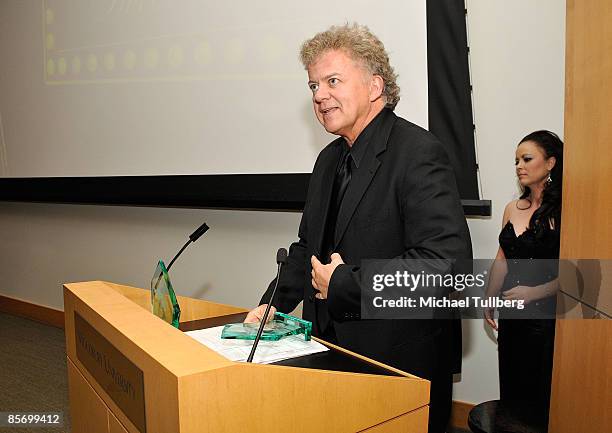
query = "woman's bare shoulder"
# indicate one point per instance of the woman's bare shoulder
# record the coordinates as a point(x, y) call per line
point(509, 210)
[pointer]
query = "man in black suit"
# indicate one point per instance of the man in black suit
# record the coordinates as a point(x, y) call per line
point(384, 189)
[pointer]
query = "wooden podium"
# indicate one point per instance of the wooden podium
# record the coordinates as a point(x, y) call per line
point(131, 372)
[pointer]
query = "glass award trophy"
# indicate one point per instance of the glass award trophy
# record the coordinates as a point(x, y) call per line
point(163, 300)
point(280, 326)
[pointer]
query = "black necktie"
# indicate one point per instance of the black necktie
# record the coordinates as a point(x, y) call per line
point(343, 177)
point(341, 181)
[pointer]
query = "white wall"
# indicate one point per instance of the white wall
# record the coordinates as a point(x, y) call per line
point(517, 58)
point(45, 245)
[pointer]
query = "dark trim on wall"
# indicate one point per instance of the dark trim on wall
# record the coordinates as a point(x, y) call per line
point(449, 90)
point(477, 208)
point(271, 192)
point(227, 191)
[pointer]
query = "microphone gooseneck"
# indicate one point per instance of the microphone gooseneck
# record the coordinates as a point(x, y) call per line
point(281, 259)
point(192, 238)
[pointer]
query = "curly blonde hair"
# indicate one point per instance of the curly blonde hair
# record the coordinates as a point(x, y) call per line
point(361, 45)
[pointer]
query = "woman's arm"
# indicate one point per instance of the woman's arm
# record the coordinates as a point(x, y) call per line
point(532, 293)
point(498, 271)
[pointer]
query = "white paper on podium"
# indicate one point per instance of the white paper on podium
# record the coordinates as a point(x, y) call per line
point(267, 351)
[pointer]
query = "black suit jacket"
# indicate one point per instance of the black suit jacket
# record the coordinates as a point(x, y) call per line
point(402, 202)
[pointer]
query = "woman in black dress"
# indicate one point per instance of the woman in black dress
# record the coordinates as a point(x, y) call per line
point(523, 270)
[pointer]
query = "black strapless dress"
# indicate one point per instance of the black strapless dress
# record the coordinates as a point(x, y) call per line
point(526, 338)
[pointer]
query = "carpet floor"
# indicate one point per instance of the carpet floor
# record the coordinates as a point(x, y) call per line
point(33, 375)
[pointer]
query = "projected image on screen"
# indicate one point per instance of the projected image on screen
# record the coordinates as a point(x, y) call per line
point(151, 87)
point(164, 40)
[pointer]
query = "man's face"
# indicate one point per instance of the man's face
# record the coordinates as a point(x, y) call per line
point(341, 94)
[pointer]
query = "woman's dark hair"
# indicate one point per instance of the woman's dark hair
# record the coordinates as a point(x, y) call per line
point(549, 212)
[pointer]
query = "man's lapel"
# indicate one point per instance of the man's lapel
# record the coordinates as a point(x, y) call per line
point(362, 178)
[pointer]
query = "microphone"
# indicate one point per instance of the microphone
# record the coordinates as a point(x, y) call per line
point(192, 238)
point(281, 256)
point(281, 259)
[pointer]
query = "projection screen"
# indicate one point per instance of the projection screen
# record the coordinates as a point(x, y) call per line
point(103, 101)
